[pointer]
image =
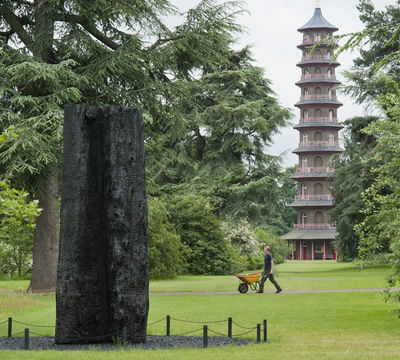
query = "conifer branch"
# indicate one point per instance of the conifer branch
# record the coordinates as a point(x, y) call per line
point(90, 28)
point(17, 26)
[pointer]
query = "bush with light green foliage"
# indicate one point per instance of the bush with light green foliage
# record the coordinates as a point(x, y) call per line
point(209, 251)
point(166, 251)
point(17, 225)
point(278, 246)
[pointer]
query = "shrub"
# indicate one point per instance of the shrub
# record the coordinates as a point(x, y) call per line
point(278, 245)
point(242, 236)
point(200, 231)
point(166, 251)
point(17, 225)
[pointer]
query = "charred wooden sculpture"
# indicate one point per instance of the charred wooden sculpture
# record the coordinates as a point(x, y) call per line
point(102, 280)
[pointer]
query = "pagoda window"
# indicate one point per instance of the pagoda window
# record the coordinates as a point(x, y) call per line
point(305, 114)
point(304, 163)
point(317, 113)
point(318, 136)
point(318, 162)
point(330, 71)
point(331, 92)
point(304, 189)
point(305, 138)
point(318, 189)
point(317, 91)
point(303, 218)
point(331, 114)
point(306, 71)
point(317, 70)
point(305, 92)
point(317, 36)
point(331, 138)
point(319, 218)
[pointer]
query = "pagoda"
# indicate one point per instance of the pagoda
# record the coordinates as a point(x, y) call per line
point(313, 236)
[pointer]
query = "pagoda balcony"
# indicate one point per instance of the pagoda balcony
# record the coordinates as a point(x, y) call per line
point(308, 170)
point(316, 57)
point(315, 197)
point(318, 76)
point(314, 227)
point(305, 144)
point(318, 120)
point(318, 97)
point(322, 41)
point(312, 172)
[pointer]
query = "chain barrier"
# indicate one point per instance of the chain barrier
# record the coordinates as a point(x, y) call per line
point(34, 333)
point(243, 327)
point(155, 322)
point(43, 326)
point(188, 332)
point(19, 333)
point(217, 333)
point(250, 329)
point(245, 332)
point(200, 322)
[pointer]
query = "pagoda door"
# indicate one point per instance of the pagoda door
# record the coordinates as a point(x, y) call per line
point(304, 251)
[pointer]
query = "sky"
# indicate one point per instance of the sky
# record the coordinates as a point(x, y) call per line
point(272, 33)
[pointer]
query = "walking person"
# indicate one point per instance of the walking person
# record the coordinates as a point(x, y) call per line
point(268, 271)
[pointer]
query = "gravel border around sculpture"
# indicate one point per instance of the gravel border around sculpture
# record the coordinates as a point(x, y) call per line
point(153, 342)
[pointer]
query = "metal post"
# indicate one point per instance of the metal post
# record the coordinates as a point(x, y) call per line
point(168, 325)
point(26, 339)
point(258, 333)
point(265, 331)
point(10, 327)
point(230, 327)
point(205, 336)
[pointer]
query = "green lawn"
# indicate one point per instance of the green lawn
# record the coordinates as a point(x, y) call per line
point(301, 326)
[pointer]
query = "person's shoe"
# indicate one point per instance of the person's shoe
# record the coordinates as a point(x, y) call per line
point(278, 291)
point(259, 292)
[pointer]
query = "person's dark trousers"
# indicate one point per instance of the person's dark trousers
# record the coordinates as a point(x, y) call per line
point(271, 278)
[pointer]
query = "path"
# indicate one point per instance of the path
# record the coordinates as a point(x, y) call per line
point(268, 292)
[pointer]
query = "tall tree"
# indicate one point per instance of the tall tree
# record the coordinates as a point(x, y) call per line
point(55, 52)
point(379, 85)
point(353, 175)
point(231, 116)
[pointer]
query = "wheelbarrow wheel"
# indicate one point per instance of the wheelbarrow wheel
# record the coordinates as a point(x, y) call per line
point(243, 288)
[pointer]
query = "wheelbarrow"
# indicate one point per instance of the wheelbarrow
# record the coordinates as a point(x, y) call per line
point(251, 281)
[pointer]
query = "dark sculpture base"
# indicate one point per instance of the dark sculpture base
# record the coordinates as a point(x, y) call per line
point(102, 281)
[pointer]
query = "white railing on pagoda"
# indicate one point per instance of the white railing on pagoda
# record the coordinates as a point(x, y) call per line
point(314, 227)
point(314, 197)
point(307, 170)
point(318, 144)
point(317, 57)
point(318, 76)
point(318, 97)
point(318, 120)
point(311, 40)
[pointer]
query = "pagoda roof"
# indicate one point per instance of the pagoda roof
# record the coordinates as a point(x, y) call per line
point(310, 235)
point(318, 22)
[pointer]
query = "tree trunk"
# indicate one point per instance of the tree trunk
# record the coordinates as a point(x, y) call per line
point(45, 246)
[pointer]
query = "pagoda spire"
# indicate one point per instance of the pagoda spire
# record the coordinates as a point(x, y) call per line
point(317, 4)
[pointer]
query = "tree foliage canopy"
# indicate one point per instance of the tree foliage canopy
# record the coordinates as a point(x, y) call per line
point(17, 224)
point(353, 174)
point(377, 80)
